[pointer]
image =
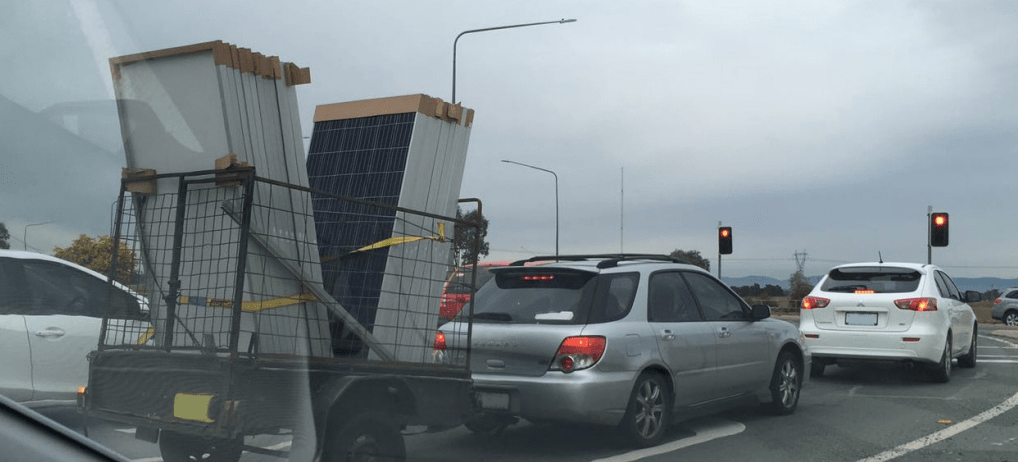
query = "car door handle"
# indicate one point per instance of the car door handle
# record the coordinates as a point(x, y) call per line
point(667, 335)
point(51, 332)
point(724, 333)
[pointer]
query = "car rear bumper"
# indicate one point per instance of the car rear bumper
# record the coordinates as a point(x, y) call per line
point(924, 346)
point(998, 311)
point(587, 396)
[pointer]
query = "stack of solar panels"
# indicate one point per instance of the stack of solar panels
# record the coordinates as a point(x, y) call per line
point(386, 267)
point(180, 110)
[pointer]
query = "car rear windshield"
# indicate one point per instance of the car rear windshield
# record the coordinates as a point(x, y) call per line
point(872, 279)
point(460, 282)
point(555, 296)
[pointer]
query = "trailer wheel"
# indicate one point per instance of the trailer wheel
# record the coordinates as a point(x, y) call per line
point(366, 437)
point(178, 447)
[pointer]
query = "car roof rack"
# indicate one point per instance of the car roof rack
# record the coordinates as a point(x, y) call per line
point(608, 260)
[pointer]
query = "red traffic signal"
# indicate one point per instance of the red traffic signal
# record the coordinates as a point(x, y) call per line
point(725, 240)
point(938, 230)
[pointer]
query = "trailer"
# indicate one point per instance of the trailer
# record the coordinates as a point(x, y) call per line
point(253, 332)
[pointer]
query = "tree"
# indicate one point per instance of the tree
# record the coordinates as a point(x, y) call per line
point(464, 236)
point(5, 237)
point(798, 286)
point(97, 255)
point(693, 257)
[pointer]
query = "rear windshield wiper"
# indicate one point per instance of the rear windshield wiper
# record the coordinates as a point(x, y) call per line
point(502, 317)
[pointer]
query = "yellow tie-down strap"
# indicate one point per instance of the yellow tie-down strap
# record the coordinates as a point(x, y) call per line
point(440, 237)
point(249, 306)
point(192, 406)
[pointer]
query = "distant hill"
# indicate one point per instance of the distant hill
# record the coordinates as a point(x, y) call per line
point(976, 284)
point(763, 281)
point(984, 284)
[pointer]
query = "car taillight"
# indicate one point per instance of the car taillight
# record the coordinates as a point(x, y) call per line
point(576, 353)
point(865, 291)
point(996, 301)
point(439, 341)
point(917, 304)
point(809, 303)
point(539, 277)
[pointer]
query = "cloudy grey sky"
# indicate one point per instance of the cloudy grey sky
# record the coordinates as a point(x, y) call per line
point(825, 127)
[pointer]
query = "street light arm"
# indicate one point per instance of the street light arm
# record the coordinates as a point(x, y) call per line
point(556, 194)
point(471, 31)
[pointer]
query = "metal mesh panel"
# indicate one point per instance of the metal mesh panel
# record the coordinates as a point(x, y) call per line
point(222, 278)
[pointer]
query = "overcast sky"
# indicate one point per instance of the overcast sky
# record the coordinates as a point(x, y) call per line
point(824, 127)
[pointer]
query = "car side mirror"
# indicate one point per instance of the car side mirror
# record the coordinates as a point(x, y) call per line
point(972, 296)
point(760, 311)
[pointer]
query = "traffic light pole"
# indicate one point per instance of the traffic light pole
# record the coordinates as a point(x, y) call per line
point(929, 235)
point(719, 254)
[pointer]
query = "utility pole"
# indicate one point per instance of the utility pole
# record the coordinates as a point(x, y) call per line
point(800, 261)
point(929, 235)
point(719, 254)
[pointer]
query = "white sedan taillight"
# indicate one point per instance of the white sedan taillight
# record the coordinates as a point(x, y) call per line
point(809, 303)
point(917, 304)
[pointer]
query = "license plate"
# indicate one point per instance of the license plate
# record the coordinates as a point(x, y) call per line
point(491, 400)
point(860, 319)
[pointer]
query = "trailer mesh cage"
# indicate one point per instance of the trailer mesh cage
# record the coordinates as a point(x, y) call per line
point(228, 264)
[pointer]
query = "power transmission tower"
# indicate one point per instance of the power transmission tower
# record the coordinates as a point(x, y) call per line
point(800, 261)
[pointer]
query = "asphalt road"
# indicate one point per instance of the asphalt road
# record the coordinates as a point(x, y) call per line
point(866, 413)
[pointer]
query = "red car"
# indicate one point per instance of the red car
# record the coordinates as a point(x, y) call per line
point(457, 291)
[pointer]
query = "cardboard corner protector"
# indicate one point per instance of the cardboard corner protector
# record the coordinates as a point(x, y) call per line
point(142, 180)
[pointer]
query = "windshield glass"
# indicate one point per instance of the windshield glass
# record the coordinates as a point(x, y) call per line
point(284, 200)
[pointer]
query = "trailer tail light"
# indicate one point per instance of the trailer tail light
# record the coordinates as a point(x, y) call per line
point(439, 341)
point(809, 303)
point(917, 304)
point(576, 353)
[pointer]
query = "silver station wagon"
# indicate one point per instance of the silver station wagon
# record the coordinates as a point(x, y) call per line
point(633, 341)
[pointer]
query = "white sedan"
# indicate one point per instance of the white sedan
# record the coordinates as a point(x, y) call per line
point(50, 316)
point(905, 312)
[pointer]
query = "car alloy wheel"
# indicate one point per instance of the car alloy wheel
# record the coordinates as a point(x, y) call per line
point(785, 384)
point(1011, 318)
point(649, 410)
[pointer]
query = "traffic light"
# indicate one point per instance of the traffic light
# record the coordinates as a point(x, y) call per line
point(725, 240)
point(938, 229)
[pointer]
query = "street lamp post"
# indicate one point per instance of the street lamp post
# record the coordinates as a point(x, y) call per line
point(24, 237)
point(454, 42)
point(556, 195)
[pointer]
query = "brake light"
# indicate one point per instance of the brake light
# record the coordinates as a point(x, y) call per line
point(539, 277)
point(576, 353)
point(439, 341)
point(996, 301)
point(917, 304)
point(809, 303)
point(865, 291)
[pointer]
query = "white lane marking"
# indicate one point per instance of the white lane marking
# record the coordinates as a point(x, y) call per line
point(998, 361)
point(129, 431)
point(275, 447)
point(707, 430)
point(945, 433)
point(1005, 342)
